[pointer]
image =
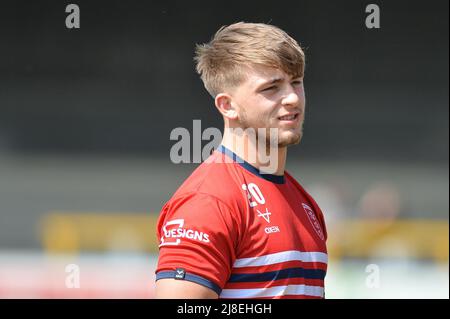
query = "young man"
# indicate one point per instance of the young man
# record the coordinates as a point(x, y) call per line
point(232, 230)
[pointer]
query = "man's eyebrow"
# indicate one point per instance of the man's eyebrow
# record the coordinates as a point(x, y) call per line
point(276, 80)
point(271, 81)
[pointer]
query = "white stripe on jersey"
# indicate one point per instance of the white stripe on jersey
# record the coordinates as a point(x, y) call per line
point(284, 256)
point(273, 291)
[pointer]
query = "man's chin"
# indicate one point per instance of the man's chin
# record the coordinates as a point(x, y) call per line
point(291, 140)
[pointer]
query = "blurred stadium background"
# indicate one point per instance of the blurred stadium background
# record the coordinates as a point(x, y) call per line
point(85, 119)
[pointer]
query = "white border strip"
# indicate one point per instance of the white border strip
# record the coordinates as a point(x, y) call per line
point(314, 291)
point(290, 255)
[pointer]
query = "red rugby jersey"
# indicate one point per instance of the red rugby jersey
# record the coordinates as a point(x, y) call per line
point(242, 233)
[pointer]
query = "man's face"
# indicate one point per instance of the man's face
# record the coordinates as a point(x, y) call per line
point(270, 98)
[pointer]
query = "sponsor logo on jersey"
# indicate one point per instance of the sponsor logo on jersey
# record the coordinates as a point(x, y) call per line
point(173, 232)
point(273, 229)
point(313, 219)
point(265, 215)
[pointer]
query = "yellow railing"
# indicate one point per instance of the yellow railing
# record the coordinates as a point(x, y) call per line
point(359, 238)
point(76, 231)
point(419, 238)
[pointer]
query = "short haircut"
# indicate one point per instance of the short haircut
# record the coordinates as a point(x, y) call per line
point(222, 62)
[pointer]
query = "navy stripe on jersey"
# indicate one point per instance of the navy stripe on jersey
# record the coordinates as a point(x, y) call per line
point(277, 179)
point(279, 274)
point(190, 277)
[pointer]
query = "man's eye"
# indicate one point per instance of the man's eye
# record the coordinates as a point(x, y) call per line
point(270, 88)
point(297, 82)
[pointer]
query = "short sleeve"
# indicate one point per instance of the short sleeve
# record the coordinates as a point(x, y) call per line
point(198, 235)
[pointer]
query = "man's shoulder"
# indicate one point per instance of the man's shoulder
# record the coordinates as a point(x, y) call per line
point(215, 180)
point(293, 181)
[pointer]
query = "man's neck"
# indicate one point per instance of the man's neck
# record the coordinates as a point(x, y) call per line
point(267, 160)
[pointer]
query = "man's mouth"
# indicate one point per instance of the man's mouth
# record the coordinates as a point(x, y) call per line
point(289, 117)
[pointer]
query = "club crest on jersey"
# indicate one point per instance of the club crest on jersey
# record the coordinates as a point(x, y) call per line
point(313, 219)
point(173, 231)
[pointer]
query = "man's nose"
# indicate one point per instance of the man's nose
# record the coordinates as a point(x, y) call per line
point(291, 97)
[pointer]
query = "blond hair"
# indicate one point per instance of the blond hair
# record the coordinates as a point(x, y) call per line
point(222, 62)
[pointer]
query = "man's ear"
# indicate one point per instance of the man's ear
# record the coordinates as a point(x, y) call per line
point(225, 106)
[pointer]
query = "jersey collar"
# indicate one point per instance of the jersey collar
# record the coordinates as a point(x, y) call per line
point(277, 179)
